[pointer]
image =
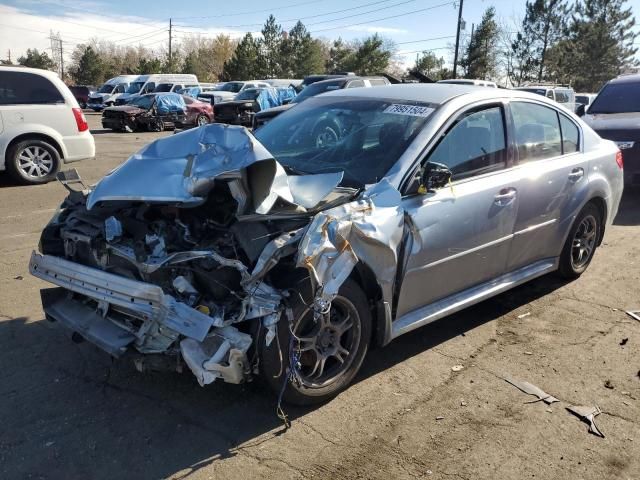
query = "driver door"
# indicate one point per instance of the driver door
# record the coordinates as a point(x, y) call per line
point(461, 233)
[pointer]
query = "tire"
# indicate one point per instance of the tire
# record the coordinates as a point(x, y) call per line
point(202, 120)
point(33, 162)
point(581, 243)
point(318, 385)
point(156, 126)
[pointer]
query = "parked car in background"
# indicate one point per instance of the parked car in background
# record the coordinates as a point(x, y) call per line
point(247, 103)
point(316, 88)
point(152, 83)
point(110, 91)
point(197, 113)
point(585, 99)
point(469, 81)
point(562, 94)
point(276, 255)
point(82, 93)
point(41, 125)
point(153, 112)
point(295, 83)
point(311, 79)
point(615, 115)
point(229, 90)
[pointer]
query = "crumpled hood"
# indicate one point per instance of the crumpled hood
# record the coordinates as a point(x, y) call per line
point(181, 169)
point(129, 109)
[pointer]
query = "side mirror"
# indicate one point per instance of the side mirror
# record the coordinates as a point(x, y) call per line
point(581, 110)
point(434, 176)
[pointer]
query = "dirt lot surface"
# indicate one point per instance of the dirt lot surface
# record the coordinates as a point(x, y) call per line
point(68, 412)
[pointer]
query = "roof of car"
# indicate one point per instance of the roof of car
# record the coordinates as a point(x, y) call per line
point(628, 78)
point(437, 93)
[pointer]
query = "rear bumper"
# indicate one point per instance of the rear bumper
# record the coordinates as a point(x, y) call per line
point(79, 147)
point(104, 303)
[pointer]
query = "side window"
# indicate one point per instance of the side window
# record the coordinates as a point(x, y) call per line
point(474, 145)
point(20, 88)
point(537, 131)
point(149, 87)
point(356, 84)
point(562, 96)
point(570, 135)
point(120, 88)
point(376, 82)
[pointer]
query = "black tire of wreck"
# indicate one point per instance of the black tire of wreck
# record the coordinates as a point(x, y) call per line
point(566, 268)
point(274, 368)
point(13, 168)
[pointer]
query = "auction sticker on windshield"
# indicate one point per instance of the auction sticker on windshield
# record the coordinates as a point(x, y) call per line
point(413, 110)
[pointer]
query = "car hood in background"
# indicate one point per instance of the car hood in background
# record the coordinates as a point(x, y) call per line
point(182, 169)
point(128, 109)
point(277, 110)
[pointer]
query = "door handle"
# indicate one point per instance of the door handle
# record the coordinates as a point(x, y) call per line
point(505, 196)
point(576, 174)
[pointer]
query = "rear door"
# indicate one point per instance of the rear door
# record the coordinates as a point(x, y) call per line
point(552, 175)
point(460, 234)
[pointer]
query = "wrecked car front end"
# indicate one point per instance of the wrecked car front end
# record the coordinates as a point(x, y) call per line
point(188, 250)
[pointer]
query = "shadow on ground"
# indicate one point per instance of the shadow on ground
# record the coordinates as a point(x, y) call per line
point(88, 417)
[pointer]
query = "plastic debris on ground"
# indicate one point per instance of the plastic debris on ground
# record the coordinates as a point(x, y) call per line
point(634, 314)
point(531, 389)
point(457, 368)
point(587, 414)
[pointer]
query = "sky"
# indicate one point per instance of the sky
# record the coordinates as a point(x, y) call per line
point(414, 25)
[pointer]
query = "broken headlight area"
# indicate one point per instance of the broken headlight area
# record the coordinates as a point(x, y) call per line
point(191, 255)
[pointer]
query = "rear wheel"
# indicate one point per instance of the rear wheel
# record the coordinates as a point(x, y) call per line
point(329, 349)
point(202, 120)
point(33, 162)
point(581, 243)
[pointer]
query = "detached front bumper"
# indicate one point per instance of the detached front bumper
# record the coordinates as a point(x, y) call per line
point(113, 311)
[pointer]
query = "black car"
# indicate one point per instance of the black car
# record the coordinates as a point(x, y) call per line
point(82, 93)
point(153, 112)
point(337, 82)
point(239, 111)
point(615, 115)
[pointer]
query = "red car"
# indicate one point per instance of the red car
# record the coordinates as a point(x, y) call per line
point(198, 113)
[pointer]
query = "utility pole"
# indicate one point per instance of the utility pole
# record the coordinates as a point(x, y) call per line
point(170, 57)
point(9, 56)
point(61, 61)
point(455, 55)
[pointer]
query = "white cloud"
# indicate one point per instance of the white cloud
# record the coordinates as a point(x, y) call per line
point(375, 29)
point(20, 29)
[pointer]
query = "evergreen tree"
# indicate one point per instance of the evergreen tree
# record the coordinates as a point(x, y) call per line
point(371, 56)
point(339, 54)
point(481, 57)
point(89, 70)
point(430, 65)
point(599, 45)
point(35, 59)
point(245, 62)
point(270, 48)
point(300, 55)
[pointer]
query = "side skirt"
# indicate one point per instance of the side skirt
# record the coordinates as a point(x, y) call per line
point(471, 296)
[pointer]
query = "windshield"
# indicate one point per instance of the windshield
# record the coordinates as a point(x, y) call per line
point(234, 87)
point(250, 94)
point(134, 87)
point(617, 98)
point(316, 89)
point(143, 102)
point(362, 137)
point(163, 87)
point(106, 88)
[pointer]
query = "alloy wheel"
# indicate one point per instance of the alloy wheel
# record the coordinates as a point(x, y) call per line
point(35, 162)
point(584, 242)
point(327, 344)
point(202, 120)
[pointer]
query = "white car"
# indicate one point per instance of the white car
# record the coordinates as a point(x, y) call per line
point(229, 90)
point(41, 125)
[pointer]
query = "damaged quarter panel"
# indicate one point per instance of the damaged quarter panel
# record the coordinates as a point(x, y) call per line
point(357, 211)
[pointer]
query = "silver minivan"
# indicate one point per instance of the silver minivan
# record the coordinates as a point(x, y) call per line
point(280, 255)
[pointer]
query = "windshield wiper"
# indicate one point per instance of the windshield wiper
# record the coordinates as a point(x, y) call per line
point(294, 170)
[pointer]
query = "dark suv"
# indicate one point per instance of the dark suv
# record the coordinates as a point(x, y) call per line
point(615, 115)
point(82, 93)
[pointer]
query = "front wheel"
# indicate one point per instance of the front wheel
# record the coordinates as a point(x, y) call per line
point(329, 349)
point(581, 243)
point(202, 120)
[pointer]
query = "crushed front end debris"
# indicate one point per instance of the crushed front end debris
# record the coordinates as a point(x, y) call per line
point(193, 246)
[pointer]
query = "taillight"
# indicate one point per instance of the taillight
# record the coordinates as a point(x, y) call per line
point(619, 160)
point(81, 121)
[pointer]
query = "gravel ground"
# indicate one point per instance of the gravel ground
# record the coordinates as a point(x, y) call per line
point(68, 412)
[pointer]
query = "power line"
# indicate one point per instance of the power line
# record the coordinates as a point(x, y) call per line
point(273, 9)
point(386, 18)
point(426, 40)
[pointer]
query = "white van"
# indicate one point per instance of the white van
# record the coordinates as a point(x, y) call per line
point(109, 92)
point(562, 94)
point(41, 125)
point(167, 82)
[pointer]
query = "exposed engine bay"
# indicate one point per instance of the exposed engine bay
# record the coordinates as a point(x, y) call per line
point(193, 255)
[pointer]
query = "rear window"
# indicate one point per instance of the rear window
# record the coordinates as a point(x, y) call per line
point(617, 98)
point(22, 88)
